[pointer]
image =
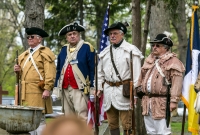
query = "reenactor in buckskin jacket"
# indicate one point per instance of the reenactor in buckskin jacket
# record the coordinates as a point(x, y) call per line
point(159, 68)
point(36, 84)
point(75, 71)
point(115, 104)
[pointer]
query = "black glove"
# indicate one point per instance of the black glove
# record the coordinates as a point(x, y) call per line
point(139, 92)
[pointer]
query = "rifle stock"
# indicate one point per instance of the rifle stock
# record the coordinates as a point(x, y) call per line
point(17, 90)
point(16, 94)
point(132, 95)
point(96, 97)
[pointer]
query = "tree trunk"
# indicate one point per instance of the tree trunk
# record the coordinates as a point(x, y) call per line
point(179, 23)
point(146, 26)
point(34, 15)
point(136, 40)
point(159, 20)
point(136, 23)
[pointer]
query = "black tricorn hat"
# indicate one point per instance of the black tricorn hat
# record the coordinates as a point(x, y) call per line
point(71, 27)
point(118, 25)
point(37, 31)
point(162, 39)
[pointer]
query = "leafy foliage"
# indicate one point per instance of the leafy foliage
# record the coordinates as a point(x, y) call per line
point(7, 59)
point(59, 13)
point(62, 12)
point(8, 27)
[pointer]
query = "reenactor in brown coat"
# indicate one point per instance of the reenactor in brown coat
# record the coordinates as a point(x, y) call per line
point(37, 71)
point(161, 69)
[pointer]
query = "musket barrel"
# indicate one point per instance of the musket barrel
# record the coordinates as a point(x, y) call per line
point(132, 94)
point(96, 97)
point(17, 89)
point(168, 113)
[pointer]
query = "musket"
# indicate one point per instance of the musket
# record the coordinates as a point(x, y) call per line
point(17, 89)
point(96, 97)
point(132, 94)
point(168, 113)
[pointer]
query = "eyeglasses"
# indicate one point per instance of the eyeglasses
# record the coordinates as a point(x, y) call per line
point(30, 36)
point(114, 33)
point(157, 45)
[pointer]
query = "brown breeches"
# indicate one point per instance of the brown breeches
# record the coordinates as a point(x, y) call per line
point(114, 115)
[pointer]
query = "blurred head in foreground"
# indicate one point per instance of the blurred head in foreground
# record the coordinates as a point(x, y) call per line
point(67, 125)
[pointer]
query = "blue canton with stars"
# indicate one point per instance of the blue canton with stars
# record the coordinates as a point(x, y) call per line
point(104, 38)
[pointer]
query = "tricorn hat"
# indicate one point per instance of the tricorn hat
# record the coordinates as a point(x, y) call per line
point(37, 31)
point(162, 39)
point(71, 27)
point(118, 25)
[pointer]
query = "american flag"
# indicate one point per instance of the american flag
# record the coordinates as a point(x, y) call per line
point(104, 38)
point(91, 108)
point(91, 113)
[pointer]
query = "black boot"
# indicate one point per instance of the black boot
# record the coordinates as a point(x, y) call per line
point(115, 132)
point(129, 132)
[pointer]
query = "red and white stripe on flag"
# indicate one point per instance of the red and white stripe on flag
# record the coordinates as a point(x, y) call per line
point(91, 113)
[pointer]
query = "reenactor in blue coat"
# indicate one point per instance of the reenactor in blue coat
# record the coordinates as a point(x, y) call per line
point(75, 70)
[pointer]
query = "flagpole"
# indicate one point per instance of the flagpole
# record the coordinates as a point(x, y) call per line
point(103, 44)
point(183, 120)
point(194, 7)
point(197, 3)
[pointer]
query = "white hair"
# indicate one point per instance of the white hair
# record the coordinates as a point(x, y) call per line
point(121, 31)
point(166, 47)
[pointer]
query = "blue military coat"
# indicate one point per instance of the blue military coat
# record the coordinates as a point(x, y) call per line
point(86, 62)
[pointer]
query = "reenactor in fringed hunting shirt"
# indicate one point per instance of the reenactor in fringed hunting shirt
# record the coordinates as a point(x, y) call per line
point(161, 69)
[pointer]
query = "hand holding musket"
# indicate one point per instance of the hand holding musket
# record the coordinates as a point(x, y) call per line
point(17, 70)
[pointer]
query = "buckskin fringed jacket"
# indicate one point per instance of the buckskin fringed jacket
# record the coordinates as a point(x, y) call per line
point(173, 69)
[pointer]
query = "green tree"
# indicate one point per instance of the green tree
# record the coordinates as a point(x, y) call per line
point(11, 40)
point(90, 13)
point(7, 49)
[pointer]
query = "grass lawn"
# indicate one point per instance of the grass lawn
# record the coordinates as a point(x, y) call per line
point(49, 120)
point(177, 127)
